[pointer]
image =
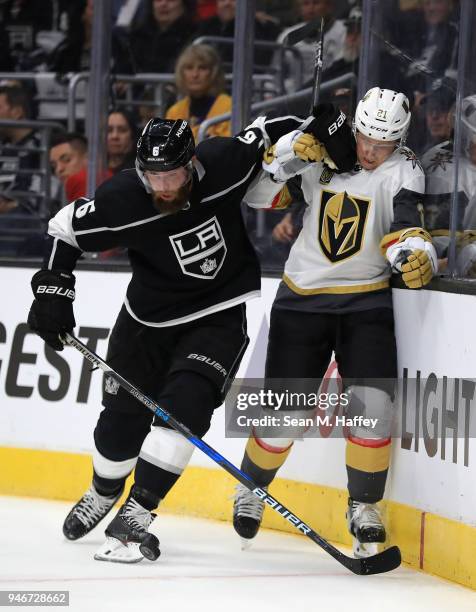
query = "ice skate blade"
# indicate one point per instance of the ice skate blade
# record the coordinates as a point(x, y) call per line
point(246, 543)
point(362, 550)
point(115, 551)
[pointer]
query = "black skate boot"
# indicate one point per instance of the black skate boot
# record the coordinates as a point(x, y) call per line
point(128, 540)
point(365, 525)
point(247, 514)
point(87, 513)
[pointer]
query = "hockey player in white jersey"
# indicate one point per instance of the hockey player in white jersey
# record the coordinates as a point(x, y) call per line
point(439, 165)
point(359, 227)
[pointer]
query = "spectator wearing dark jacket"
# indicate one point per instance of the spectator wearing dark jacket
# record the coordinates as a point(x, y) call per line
point(155, 44)
point(430, 37)
point(73, 53)
point(18, 181)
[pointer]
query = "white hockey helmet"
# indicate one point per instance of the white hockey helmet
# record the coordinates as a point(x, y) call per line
point(468, 119)
point(383, 114)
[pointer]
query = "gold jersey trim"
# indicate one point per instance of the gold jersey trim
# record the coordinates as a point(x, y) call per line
point(340, 289)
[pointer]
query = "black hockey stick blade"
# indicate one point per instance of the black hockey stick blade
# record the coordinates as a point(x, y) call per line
point(307, 31)
point(380, 563)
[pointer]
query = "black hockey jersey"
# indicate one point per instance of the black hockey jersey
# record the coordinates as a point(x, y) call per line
point(188, 264)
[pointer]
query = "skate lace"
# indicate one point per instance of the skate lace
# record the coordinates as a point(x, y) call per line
point(136, 516)
point(92, 507)
point(247, 504)
point(366, 515)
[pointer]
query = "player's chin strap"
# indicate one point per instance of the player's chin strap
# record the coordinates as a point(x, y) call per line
point(382, 562)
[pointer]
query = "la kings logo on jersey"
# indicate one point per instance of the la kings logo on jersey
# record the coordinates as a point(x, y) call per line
point(201, 250)
point(342, 219)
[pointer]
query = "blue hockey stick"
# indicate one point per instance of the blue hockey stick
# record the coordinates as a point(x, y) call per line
point(382, 562)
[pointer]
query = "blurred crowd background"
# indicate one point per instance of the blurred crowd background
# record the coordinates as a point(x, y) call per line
point(174, 58)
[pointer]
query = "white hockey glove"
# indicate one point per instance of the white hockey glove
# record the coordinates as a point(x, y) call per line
point(293, 154)
point(414, 257)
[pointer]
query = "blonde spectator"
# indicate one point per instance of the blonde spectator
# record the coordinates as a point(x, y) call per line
point(199, 77)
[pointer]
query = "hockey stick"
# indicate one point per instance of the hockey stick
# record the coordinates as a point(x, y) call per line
point(382, 562)
point(300, 34)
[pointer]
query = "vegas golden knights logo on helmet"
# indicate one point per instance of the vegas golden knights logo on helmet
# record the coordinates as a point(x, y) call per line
point(342, 219)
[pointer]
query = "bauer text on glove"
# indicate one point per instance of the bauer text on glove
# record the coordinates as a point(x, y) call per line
point(331, 129)
point(51, 313)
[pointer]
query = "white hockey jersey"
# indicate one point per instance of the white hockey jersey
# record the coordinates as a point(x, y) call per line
point(350, 218)
point(438, 163)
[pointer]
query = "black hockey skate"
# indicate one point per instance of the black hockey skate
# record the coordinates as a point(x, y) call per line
point(127, 538)
point(247, 514)
point(366, 526)
point(87, 513)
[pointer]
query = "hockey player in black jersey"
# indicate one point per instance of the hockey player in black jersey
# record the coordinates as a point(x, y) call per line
point(181, 332)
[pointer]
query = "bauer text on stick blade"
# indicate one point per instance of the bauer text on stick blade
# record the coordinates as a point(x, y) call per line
point(385, 561)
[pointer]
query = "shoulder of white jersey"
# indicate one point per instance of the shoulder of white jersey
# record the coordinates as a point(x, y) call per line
point(440, 154)
point(405, 170)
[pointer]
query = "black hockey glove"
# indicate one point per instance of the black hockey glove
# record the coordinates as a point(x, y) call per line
point(52, 310)
point(330, 128)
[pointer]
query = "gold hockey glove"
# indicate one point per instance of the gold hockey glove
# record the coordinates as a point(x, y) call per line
point(413, 256)
point(417, 271)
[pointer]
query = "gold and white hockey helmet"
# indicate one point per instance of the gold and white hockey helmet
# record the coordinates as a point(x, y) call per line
point(383, 114)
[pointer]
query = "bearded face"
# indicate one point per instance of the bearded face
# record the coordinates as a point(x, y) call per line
point(172, 202)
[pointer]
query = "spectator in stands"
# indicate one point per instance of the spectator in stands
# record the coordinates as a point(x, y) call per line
point(349, 60)
point(334, 36)
point(436, 107)
point(199, 77)
point(25, 22)
point(156, 43)
point(68, 155)
point(440, 211)
point(344, 94)
point(430, 37)
point(121, 141)
point(223, 24)
point(15, 104)
point(73, 53)
point(120, 145)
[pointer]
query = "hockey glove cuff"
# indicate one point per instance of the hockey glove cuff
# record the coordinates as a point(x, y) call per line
point(292, 155)
point(51, 313)
point(414, 257)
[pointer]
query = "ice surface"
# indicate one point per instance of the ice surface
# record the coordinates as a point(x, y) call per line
point(202, 567)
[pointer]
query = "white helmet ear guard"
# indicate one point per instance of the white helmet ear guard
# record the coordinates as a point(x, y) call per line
point(383, 114)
